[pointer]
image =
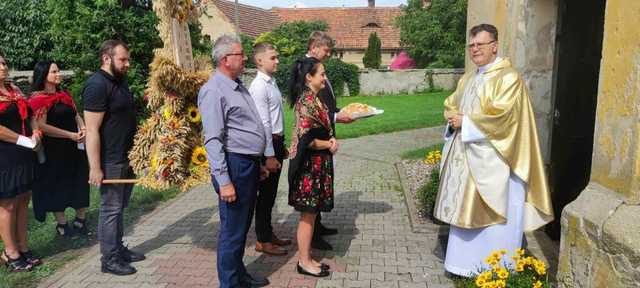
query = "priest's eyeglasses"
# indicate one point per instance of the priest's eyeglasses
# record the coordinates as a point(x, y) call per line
point(479, 45)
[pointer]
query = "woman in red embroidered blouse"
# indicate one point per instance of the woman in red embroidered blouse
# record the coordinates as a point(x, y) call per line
point(62, 178)
point(17, 172)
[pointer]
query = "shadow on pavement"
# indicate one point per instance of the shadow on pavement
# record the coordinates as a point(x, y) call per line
point(347, 208)
point(196, 224)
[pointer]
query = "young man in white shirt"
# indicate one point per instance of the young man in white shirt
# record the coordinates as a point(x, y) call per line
point(268, 99)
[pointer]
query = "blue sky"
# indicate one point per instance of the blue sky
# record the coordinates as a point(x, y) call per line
point(319, 3)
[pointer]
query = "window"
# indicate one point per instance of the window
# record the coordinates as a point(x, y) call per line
point(372, 25)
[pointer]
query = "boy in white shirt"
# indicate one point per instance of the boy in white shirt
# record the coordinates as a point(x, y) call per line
point(268, 99)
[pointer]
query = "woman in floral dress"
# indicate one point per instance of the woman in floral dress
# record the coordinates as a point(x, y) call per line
point(311, 164)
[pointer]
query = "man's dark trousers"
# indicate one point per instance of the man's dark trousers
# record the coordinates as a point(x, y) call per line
point(113, 199)
point(235, 218)
point(267, 191)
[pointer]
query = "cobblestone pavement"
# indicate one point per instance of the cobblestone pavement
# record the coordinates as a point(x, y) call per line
point(374, 248)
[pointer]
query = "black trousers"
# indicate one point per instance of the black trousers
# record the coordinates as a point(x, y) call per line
point(113, 199)
point(267, 192)
point(316, 226)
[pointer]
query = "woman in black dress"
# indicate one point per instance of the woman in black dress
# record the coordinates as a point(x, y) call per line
point(311, 158)
point(17, 169)
point(62, 178)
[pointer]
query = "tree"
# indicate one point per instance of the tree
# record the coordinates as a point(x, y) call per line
point(23, 35)
point(372, 55)
point(78, 28)
point(290, 38)
point(247, 47)
point(434, 36)
point(200, 45)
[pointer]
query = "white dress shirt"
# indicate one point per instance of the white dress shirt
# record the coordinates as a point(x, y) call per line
point(268, 99)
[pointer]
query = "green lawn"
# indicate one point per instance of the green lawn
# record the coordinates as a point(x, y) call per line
point(401, 112)
point(56, 251)
point(420, 153)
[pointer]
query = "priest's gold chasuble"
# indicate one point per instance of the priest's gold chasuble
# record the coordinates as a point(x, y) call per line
point(474, 183)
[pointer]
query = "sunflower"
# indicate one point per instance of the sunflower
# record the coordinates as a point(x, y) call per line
point(166, 113)
point(193, 114)
point(199, 156)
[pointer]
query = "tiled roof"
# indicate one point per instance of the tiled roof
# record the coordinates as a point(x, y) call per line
point(350, 27)
point(253, 20)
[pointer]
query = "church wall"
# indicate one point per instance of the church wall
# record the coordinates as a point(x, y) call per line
point(600, 245)
point(526, 34)
point(616, 156)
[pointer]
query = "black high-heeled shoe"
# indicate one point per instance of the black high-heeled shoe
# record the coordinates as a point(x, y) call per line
point(65, 231)
point(15, 265)
point(30, 258)
point(80, 227)
point(325, 266)
point(322, 273)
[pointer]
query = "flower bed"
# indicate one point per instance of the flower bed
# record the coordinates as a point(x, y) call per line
point(519, 272)
point(422, 178)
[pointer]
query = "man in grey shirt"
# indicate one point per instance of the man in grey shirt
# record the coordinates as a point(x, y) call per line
point(235, 140)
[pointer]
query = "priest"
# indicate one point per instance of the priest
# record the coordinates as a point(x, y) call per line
point(493, 186)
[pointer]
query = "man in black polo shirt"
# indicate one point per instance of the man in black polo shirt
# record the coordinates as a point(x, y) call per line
point(110, 118)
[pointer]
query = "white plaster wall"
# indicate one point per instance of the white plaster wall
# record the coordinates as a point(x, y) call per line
point(376, 82)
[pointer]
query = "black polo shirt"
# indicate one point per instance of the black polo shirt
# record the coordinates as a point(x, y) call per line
point(104, 93)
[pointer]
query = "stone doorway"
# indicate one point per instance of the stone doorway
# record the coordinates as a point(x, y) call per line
point(575, 88)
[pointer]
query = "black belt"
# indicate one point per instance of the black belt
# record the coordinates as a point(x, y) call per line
point(253, 158)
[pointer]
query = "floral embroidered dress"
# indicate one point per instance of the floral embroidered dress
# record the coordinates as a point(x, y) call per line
point(310, 171)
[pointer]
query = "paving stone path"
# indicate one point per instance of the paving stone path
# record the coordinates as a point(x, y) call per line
point(375, 246)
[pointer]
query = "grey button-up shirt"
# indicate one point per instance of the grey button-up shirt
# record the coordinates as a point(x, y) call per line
point(231, 123)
